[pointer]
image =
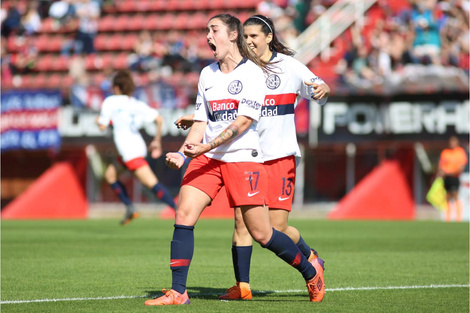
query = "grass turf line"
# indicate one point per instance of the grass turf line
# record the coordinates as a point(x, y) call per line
point(99, 258)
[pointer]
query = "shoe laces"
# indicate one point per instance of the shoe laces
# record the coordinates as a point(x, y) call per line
point(233, 289)
point(166, 292)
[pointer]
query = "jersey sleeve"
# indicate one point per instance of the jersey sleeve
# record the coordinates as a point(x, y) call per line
point(149, 114)
point(306, 75)
point(254, 91)
point(200, 109)
point(105, 114)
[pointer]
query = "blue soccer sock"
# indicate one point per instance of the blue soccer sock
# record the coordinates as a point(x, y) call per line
point(241, 258)
point(286, 249)
point(121, 192)
point(182, 249)
point(304, 248)
point(163, 194)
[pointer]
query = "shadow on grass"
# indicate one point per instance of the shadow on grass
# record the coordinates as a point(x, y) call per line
point(214, 293)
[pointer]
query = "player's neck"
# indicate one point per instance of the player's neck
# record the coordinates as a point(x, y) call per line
point(230, 62)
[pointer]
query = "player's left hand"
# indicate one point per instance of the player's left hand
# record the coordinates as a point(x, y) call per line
point(318, 91)
point(155, 148)
point(194, 150)
point(185, 121)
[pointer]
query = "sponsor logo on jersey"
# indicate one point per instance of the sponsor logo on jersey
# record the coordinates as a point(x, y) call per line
point(223, 110)
point(316, 80)
point(235, 87)
point(198, 105)
point(251, 103)
point(273, 81)
point(281, 104)
point(252, 194)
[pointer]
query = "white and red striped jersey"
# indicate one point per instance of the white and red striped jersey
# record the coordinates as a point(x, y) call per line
point(127, 115)
point(221, 98)
point(285, 83)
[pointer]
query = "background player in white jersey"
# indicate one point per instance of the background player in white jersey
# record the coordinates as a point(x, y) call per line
point(127, 115)
point(288, 80)
point(224, 145)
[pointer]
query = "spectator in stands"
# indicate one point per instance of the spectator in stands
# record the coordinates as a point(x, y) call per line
point(175, 51)
point(31, 20)
point(426, 26)
point(12, 22)
point(63, 12)
point(88, 12)
point(143, 59)
point(24, 59)
point(6, 76)
point(454, 35)
point(270, 9)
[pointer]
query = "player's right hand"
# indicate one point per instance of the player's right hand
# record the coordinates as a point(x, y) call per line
point(174, 160)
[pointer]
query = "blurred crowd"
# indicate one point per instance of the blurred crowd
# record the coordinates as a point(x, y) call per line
point(427, 38)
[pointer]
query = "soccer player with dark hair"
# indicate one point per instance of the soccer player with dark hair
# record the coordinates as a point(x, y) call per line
point(225, 148)
point(127, 115)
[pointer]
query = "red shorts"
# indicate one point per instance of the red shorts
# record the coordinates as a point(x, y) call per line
point(133, 164)
point(281, 181)
point(245, 182)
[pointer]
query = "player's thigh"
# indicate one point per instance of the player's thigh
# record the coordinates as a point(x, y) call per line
point(257, 222)
point(191, 203)
point(146, 176)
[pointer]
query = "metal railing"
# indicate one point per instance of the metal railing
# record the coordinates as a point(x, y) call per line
point(318, 36)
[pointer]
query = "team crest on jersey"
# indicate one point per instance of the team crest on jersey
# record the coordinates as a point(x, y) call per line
point(235, 87)
point(273, 81)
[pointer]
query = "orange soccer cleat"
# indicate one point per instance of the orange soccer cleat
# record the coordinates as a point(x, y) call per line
point(241, 291)
point(170, 297)
point(129, 217)
point(316, 285)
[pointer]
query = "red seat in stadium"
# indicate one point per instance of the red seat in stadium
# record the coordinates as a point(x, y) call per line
point(199, 20)
point(181, 20)
point(60, 63)
point(54, 81)
point(38, 81)
point(166, 21)
point(44, 63)
point(152, 22)
point(127, 42)
point(136, 22)
point(101, 42)
point(120, 61)
point(114, 42)
point(121, 23)
point(105, 23)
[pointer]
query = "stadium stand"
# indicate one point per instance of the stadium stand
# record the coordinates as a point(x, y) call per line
point(51, 49)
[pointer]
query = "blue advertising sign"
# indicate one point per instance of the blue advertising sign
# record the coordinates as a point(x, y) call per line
point(29, 119)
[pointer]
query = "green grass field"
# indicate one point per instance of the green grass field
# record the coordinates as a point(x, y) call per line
point(99, 266)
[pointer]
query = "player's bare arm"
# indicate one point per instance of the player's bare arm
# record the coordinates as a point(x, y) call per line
point(156, 145)
point(239, 126)
point(100, 126)
point(175, 160)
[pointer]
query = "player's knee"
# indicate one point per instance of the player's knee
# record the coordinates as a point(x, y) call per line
point(110, 176)
point(261, 237)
